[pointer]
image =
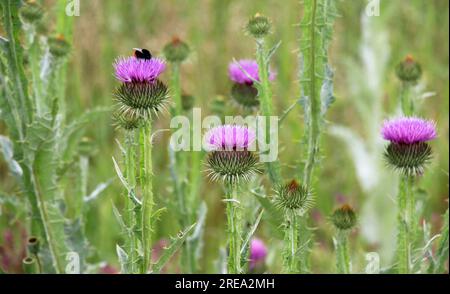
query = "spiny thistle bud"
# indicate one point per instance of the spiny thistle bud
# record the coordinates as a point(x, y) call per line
point(408, 150)
point(344, 218)
point(230, 159)
point(409, 70)
point(58, 46)
point(31, 12)
point(245, 95)
point(176, 51)
point(127, 120)
point(293, 197)
point(258, 26)
point(141, 93)
point(187, 102)
point(33, 245)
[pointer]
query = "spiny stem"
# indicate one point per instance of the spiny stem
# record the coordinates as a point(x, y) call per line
point(406, 99)
point(404, 240)
point(342, 254)
point(130, 159)
point(290, 242)
point(234, 230)
point(265, 98)
point(147, 194)
point(314, 99)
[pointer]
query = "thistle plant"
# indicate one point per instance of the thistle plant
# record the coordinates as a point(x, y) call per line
point(140, 96)
point(343, 219)
point(408, 153)
point(231, 162)
point(294, 200)
point(408, 72)
point(259, 27)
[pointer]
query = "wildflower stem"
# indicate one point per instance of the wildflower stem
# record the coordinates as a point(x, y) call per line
point(406, 100)
point(234, 236)
point(290, 260)
point(405, 215)
point(313, 127)
point(265, 98)
point(130, 159)
point(147, 193)
point(342, 254)
point(184, 208)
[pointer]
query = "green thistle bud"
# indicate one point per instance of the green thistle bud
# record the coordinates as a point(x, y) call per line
point(127, 120)
point(176, 51)
point(409, 70)
point(31, 12)
point(258, 26)
point(58, 46)
point(33, 245)
point(293, 197)
point(344, 218)
point(232, 166)
point(138, 99)
point(408, 158)
point(245, 95)
point(187, 102)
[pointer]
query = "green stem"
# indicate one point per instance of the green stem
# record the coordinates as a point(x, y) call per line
point(147, 194)
point(314, 107)
point(290, 243)
point(405, 216)
point(130, 170)
point(234, 231)
point(406, 100)
point(342, 253)
point(265, 98)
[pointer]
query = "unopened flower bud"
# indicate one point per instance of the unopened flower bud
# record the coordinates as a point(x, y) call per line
point(409, 70)
point(258, 26)
point(344, 218)
point(176, 51)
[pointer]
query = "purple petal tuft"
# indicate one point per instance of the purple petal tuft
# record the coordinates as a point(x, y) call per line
point(230, 137)
point(245, 71)
point(408, 130)
point(132, 69)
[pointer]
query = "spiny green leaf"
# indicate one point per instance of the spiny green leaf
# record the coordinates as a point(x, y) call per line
point(172, 249)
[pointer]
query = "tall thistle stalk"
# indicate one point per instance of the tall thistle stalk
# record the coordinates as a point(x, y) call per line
point(408, 152)
point(140, 96)
point(316, 91)
point(176, 52)
point(232, 163)
point(259, 27)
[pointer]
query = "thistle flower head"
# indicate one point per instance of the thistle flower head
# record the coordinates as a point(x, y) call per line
point(409, 70)
point(176, 50)
point(31, 12)
point(258, 253)
point(141, 99)
point(293, 197)
point(138, 70)
point(408, 130)
point(245, 71)
point(258, 26)
point(230, 160)
point(408, 150)
point(230, 137)
point(58, 46)
point(344, 218)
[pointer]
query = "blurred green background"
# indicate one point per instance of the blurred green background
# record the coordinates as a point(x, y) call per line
point(364, 52)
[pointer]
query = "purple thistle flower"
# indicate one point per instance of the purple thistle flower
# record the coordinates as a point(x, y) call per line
point(245, 71)
point(230, 137)
point(258, 252)
point(132, 69)
point(408, 130)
